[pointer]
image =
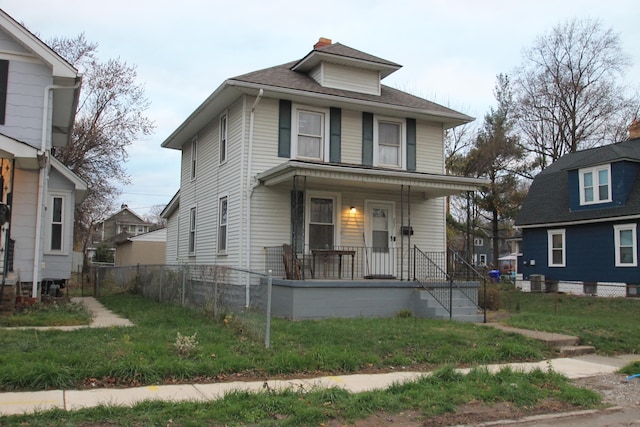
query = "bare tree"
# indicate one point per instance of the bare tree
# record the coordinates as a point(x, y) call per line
point(110, 117)
point(567, 92)
point(154, 217)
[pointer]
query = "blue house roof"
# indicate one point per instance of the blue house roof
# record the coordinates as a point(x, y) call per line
point(547, 201)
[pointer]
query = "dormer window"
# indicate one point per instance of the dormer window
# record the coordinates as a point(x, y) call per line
point(595, 185)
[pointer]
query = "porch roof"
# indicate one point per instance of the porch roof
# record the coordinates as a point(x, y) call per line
point(25, 156)
point(347, 175)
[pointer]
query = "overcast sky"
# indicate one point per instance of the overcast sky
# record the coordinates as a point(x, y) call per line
point(451, 51)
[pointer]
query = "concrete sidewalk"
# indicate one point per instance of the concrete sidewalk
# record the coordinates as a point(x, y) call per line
point(29, 402)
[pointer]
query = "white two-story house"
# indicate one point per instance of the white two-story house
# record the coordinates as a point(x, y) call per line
point(39, 92)
point(315, 170)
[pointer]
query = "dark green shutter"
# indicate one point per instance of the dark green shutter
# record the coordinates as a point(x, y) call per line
point(4, 78)
point(284, 129)
point(367, 139)
point(335, 130)
point(411, 144)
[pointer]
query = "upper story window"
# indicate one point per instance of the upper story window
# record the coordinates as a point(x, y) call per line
point(194, 157)
point(477, 241)
point(556, 248)
point(223, 138)
point(595, 185)
point(310, 134)
point(626, 245)
point(388, 140)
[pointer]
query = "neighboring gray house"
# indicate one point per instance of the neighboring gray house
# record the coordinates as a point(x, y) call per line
point(38, 97)
point(317, 171)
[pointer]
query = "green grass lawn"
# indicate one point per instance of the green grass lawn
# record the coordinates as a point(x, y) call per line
point(53, 313)
point(170, 344)
point(147, 353)
point(606, 323)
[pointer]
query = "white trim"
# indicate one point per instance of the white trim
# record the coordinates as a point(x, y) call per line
point(324, 138)
point(550, 234)
point(337, 208)
point(222, 196)
point(586, 221)
point(402, 152)
point(596, 184)
point(617, 228)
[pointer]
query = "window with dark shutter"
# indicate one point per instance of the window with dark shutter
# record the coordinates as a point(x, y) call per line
point(4, 79)
point(367, 139)
point(284, 129)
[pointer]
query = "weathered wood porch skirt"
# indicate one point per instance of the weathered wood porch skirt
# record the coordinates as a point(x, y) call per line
point(322, 299)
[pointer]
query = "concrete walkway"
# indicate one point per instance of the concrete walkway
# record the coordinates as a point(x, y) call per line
point(29, 402)
point(101, 317)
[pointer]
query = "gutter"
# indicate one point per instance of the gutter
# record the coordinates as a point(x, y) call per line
point(250, 192)
point(43, 160)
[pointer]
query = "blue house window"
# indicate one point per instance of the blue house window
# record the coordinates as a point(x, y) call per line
point(626, 247)
point(557, 248)
point(595, 185)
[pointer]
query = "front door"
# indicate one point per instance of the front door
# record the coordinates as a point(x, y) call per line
point(380, 239)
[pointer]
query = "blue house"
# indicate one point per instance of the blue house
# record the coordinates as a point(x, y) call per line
point(580, 218)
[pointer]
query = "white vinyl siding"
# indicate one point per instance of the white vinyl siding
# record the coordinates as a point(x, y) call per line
point(347, 78)
point(429, 148)
point(595, 185)
point(25, 94)
point(557, 249)
point(626, 245)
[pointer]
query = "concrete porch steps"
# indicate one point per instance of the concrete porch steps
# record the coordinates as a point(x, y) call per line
point(567, 345)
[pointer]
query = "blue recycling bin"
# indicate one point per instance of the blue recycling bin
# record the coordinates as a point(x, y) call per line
point(494, 275)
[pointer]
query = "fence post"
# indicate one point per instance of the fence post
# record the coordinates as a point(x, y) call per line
point(96, 282)
point(184, 290)
point(267, 336)
point(450, 298)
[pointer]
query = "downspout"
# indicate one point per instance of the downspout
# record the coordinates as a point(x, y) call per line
point(43, 162)
point(250, 189)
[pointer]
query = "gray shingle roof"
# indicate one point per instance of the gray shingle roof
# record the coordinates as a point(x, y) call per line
point(282, 76)
point(548, 199)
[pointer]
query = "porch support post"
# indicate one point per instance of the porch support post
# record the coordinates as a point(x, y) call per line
point(409, 224)
point(402, 234)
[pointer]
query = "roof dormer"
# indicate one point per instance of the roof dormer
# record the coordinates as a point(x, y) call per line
point(336, 66)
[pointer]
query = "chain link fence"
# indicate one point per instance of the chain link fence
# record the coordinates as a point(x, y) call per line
point(220, 292)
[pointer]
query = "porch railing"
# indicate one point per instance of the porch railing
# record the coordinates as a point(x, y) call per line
point(440, 273)
point(339, 262)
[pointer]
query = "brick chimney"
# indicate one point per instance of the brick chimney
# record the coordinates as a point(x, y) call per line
point(322, 43)
point(634, 129)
